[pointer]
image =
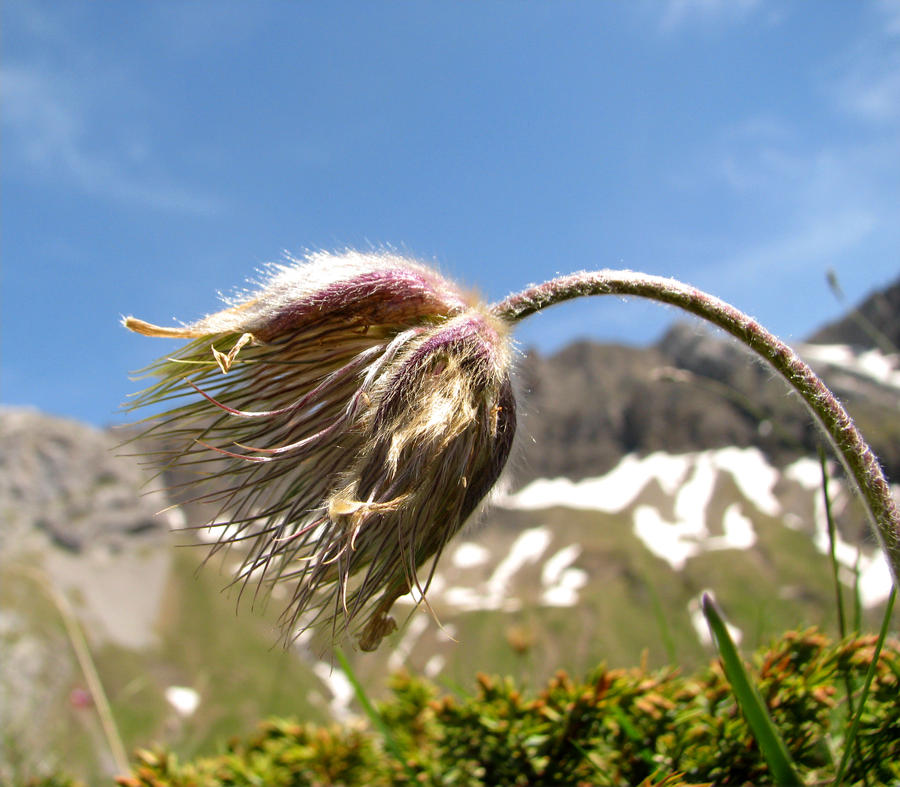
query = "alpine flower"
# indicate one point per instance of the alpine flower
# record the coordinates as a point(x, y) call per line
point(344, 420)
point(348, 417)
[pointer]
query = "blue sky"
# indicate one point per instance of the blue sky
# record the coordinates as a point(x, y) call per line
point(155, 153)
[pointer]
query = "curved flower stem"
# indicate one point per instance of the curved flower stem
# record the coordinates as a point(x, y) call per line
point(857, 457)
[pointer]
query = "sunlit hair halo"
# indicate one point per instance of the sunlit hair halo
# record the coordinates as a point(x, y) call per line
point(356, 408)
point(364, 411)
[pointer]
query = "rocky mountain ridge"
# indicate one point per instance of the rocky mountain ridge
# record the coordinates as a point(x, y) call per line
point(872, 324)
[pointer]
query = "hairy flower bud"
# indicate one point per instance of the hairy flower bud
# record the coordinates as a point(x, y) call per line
point(347, 418)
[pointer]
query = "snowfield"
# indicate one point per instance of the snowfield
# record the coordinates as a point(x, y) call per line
point(690, 479)
point(872, 365)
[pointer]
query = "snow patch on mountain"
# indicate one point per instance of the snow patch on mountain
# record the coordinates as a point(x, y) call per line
point(469, 554)
point(701, 627)
point(340, 688)
point(183, 699)
point(618, 489)
point(872, 364)
point(527, 549)
point(610, 493)
point(874, 573)
point(690, 480)
point(561, 582)
point(411, 635)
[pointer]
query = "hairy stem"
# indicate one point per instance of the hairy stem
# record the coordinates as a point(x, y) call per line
point(855, 454)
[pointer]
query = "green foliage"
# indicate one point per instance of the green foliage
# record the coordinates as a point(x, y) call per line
point(616, 727)
point(57, 780)
point(751, 704)
point(280, 753)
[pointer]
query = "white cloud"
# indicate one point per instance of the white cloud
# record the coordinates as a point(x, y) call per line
point(816, 243)
point(820, 199)
point(868, 86)
point(757, 151)
point(51, 135)
point(818, 206)
point(679, 13)
point(890, 12)
point(872, 91)
point(833, 194)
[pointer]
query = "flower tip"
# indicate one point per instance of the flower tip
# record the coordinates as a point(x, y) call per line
point(379, 626)
point(149, 329)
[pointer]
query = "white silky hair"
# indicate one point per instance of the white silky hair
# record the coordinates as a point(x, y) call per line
point(284, 283)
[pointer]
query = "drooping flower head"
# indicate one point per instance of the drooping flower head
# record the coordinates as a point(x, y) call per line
point(348, 417)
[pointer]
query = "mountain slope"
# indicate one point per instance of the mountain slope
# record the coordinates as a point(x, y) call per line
point(872, 324)
point(590, 404)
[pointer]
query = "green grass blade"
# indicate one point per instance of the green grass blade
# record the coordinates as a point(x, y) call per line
point(372, 713)
point(854, 728)
point(857, 595)
point(751, 704)
point(659, 613)
point(85, 660)
point(835, 576)
point(832, 540)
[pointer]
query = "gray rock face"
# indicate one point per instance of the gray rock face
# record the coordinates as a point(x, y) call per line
point(66, 479)
point(77, 522)
point(874, 323)
point(589, 404)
